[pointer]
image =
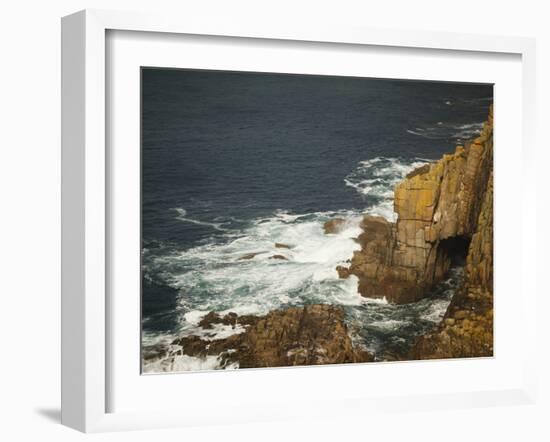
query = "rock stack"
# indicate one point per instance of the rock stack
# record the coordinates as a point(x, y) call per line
point(442, 215)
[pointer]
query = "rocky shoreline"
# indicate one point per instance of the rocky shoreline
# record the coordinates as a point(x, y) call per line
point(444, 218)
point(310, 335)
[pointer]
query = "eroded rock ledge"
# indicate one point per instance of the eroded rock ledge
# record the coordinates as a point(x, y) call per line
point(439, 210)
point(311, 335)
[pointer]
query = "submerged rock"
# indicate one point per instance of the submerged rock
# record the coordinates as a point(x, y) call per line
point(343, 272)
point(310, 335)
point(214, 318)
point(335, 225)
point(439, 207)
point(249, 255)
point(279, 245)
point(279, 257)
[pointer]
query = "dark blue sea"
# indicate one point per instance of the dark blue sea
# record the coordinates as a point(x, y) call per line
point(233, 163)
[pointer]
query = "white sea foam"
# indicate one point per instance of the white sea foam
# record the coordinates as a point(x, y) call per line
point(171, 357)
point(442, 131)
point(153, 340)
point(180, 363)
point(376, 178)
point(194, 316)
point(436, 310)
point(182, 216)
point(388, 324)
point(471, 126)
point(382, 301)
point(467, 131)
point(214, 278)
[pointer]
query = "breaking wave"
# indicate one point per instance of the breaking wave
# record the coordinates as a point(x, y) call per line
point(454, 132)
point(376, 179)
point(182, 216)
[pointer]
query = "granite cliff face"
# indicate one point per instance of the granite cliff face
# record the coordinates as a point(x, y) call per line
point(467, 328)
point(442, 216)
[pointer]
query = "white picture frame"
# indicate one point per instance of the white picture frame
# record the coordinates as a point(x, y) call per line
point(86, 315)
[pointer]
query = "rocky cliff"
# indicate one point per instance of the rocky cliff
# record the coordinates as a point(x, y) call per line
point(467, 328)
point(442, 216)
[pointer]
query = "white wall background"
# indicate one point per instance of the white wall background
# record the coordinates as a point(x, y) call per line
point(30, 216)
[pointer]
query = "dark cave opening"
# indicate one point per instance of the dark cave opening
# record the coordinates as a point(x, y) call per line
point(456, 249)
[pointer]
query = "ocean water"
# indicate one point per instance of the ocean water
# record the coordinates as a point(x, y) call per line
point(233, 163)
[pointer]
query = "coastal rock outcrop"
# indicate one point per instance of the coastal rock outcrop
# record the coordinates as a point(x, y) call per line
point(310, 335)
point(440, 208)
point(467, 328)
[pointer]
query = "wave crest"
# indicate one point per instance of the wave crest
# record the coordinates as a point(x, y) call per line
point(376, 178)
point(182, 216)
point(441, 131)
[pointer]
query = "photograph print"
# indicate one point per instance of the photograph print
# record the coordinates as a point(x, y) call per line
point(295, 220)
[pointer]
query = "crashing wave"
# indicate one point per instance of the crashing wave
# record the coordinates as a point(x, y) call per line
point(455, 132)
point(377, 177)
